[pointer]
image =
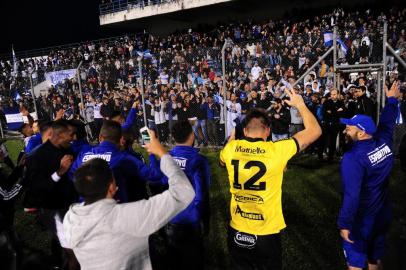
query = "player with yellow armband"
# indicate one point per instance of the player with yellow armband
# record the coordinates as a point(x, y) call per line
point(255, 169)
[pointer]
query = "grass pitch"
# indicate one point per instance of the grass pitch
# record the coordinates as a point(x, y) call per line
point(311, 201)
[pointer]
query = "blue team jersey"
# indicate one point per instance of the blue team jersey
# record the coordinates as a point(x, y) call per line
point(197, 169)
point(129, 172)
point(33, 143)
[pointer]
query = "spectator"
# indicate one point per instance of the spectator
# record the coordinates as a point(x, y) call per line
point(280, 120)
point(364, 104)
point(212, 111)
point(333, 110)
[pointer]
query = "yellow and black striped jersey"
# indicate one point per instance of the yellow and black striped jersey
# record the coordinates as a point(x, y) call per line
point(255, 171)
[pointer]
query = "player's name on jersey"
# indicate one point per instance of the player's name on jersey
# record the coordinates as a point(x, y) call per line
point(249, 150)
point(253, 216)
point(248, 198)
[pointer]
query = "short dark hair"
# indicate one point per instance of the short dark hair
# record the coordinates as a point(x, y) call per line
point(181, 131)
point(259, 114)
point(116, 113)
point(128, 137)
point(111, 131)
point(92, 180)
point(44, 126)
point(80, 129)
point(60, 126)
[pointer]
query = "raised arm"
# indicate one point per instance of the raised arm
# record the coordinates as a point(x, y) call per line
point(312, 129)
point(389, 113)
point(132, 115)
point(159, 209)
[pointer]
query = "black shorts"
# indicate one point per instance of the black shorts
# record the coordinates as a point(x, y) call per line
point(248, 251)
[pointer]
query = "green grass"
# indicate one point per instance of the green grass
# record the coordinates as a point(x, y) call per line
point(311, 200)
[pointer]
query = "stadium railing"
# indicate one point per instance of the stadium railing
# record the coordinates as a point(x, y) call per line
point(120, 5)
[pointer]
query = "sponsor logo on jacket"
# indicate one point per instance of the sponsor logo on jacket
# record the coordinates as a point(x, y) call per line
point(181, 162)
point(105, 156)
point(379, 154)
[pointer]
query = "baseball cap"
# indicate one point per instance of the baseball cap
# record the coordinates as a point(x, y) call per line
point(362, 122)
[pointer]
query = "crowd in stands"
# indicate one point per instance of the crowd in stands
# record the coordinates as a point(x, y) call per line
point(188, 103)
point(182, 75)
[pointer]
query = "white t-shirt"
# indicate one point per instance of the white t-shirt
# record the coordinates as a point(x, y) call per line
point(97, 114)
point(255, 72)
point(164, 78)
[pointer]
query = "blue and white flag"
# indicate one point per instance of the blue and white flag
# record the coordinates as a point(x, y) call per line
point(59, 76)
point(146, 54)
point(328, 41)
point(343, 47)
point(15, 63)
point(14, 118)
point(328, 38)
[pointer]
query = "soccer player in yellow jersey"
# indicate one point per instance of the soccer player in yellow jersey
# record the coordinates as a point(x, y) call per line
point(255, 168)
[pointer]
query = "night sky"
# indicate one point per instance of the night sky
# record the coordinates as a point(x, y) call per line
point(35, 24)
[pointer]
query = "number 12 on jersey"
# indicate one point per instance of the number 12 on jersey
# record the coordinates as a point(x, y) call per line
point(250, 183)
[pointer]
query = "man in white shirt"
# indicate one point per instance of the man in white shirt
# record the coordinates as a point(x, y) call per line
point(255, 70)
point(99, 227)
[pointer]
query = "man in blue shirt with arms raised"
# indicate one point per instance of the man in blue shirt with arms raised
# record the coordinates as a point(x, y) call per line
point(365, 214)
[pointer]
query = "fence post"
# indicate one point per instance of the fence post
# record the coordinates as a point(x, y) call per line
point(335, 57)
point(83, 110)
point(33, 95)
point(223, 63)
point(142, 89)
point(385, 38)
point(379, 95)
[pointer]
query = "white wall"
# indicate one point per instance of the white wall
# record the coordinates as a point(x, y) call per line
point(137, 13)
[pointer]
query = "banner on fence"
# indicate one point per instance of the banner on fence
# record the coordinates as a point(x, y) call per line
point(56, 77)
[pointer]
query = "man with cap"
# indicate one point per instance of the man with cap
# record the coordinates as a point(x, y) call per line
point(365, 213)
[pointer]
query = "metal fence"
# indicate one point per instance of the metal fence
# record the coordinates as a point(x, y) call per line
point(120, 5)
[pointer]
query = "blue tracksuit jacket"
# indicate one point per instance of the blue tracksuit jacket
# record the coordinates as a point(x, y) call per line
point(130, 120)
point(129, 172)
point(197, 169)
point(365, 171)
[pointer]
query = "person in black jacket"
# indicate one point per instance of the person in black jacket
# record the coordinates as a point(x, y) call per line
point(280, 120)
point(364, 104)
point(333, 110)
point(48, 188)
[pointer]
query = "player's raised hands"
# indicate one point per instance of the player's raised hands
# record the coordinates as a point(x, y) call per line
point(295, 100)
